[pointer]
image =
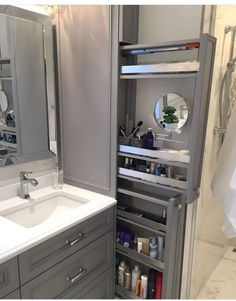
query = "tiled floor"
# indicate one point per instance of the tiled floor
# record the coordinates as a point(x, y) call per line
point(222, 283)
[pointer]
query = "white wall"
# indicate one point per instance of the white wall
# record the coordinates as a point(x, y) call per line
point(161, 23)
point(210, 243)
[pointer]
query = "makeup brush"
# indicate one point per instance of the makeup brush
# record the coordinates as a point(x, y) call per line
point(136, 129)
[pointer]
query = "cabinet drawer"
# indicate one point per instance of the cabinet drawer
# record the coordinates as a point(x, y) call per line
point(9, 278)
point(13, 295)
point(91, 261)
point(42, 257)
point(101, 287)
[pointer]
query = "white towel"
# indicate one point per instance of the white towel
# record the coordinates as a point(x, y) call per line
point(224, 180)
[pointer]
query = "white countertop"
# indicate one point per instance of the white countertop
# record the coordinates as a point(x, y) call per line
point(15, 239)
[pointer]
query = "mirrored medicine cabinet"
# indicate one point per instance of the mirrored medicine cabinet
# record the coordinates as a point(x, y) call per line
point(27, 87)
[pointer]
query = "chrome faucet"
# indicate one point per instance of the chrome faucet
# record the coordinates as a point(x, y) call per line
point(24, 180)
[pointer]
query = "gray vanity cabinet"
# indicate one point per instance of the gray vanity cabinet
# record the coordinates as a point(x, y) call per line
point(78, 263)
point(9, 278)
point(82, 268)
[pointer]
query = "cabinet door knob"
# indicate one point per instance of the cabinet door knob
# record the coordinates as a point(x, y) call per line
point(71, 243)
point(81, 273)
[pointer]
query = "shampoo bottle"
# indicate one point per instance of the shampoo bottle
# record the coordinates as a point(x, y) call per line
point(135, 276)
point(121, 273)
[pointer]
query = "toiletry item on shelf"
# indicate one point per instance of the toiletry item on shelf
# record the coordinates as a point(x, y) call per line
point(158, 286)
point(57, 178)
point(160, 240)
point(117, 263)
point(179, 177)
point(141, 166)
point(138, 288)
point(135, 276)
point(161, 170)
point(145, 245)
point(127, 280)
point(148, 165)
point(121, 273)
point(153, 247)
point(134, 244)
point(127, 163)
point(144, 286)
point(140, 247)
point(151, 284)
point(127, 239)
point(122, 131)
point(136, 129)
point(153, 168)
point(169, 171)
point(162, 219)
point(149, 139)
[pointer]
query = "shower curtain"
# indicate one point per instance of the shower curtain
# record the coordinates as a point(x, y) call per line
point(224, 180)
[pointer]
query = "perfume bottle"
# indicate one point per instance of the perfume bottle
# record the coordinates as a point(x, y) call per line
point(57, 178)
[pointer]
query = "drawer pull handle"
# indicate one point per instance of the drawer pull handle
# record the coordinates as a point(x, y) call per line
point(81, 273)
point(71, 243)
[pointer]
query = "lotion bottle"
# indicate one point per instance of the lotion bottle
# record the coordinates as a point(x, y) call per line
point(135, 276)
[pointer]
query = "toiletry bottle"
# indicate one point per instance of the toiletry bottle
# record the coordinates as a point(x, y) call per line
point(121, 273)
point(135, 243)
point(57, 178)
point(138, 288)
point(127, 280)
point(160, 240)
point(153, 247)
point(140, 246)
point(148, 143)
point(144, 286)
point(153, 168)
point(151, 284)
point(135, 276)
point(163, 171)
point(148, 164)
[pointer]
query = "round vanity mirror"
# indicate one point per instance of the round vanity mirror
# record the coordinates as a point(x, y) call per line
point(171, 112)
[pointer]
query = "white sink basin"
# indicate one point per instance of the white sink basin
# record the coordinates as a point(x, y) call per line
point(44, 210)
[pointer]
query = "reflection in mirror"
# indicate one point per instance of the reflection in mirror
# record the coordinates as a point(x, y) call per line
point(171, 112)
point(27, 87)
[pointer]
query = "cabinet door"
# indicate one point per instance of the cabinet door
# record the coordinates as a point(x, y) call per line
point(88, 115)
point(128, 24)
point(9, 279)
point(75, 271)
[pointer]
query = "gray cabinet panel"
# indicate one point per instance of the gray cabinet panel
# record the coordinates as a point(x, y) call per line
point(42, 257)
point(13, 295)
point(128, 23)
point(98, 288)
point(85, 80)
point(9, 278)
point(95, 259)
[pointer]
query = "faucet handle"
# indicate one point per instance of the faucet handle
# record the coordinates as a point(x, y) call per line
point(24, 174)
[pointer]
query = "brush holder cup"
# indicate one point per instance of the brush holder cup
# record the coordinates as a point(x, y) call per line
point(131, 141)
